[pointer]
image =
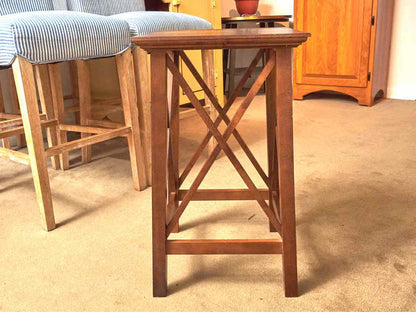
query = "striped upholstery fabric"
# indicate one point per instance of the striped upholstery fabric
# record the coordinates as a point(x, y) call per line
point(19, 6)
point(60, 5)
point(143, 23)
point(54, 36)
point(106, 7)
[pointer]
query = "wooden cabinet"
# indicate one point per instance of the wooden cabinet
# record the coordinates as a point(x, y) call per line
point(349, 49)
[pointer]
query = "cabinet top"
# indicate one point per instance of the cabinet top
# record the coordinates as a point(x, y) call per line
point(236, 38)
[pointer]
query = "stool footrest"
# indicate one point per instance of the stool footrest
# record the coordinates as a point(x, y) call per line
point(15, 156)
point(20, 130)
point(104, 124)
point(9, 116)
point(224, 247)
point(71, 109)
point(224, 194)
point(66, 147)
point(83, 129)
point(13, 122)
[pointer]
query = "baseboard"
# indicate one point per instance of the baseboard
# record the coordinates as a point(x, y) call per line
point(402, 93)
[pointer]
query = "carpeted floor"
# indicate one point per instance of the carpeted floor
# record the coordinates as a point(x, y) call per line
point(356, 224)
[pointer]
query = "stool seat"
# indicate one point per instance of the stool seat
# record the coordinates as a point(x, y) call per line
point(56, 36)
point(144, 23)
point(105, 7)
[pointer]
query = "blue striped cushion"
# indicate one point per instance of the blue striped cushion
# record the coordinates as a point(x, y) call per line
point(54, 36)
point(106, 7)
point(60, 5)
point(18, 6)
point(143, 23)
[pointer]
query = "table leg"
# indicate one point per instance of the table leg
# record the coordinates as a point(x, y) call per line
point(271, 142)
point(173, 159)
point(159, 162)
point(284, 142)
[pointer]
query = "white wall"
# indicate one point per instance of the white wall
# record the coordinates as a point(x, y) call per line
point(402, 75)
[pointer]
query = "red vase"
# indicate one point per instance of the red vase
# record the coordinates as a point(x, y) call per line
point(247, 7)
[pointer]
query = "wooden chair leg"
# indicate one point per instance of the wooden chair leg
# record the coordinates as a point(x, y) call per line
point(5, 142)
point(83, 74)
point(209, 77)
point(59, 110)
point(26, 90)
point(15, 107)
point(73, 73)
point(45, 95)
point(141, 70)
point(131, 116)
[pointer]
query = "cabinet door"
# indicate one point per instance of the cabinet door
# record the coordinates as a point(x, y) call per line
point(209, 10)
point(338, 52)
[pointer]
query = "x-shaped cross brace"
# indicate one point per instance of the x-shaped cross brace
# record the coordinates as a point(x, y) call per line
point(222, 139)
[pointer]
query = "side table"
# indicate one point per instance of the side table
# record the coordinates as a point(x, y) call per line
point(169, 200)
point(229, 56)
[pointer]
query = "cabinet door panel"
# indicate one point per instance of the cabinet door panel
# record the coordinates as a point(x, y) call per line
point(337, 54)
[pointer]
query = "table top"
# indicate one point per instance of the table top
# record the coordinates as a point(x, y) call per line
point(234, 38)
point(257, 19)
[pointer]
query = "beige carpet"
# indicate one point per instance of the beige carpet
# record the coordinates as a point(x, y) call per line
point(356, 225)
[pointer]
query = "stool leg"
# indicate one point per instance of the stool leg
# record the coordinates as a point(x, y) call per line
point(209, 77)
point(5, 142)
point(141, 70)
point(84, 91)
point(73, 73)
point(59, 110)
point(26, 89)
point(45, 95)
point(159, 161)
point(131, 116)
point(284, 115)
point(15, 107)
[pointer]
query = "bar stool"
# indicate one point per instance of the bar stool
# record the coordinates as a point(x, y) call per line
point(141, 23)
point(34, 43)
point(169, 201)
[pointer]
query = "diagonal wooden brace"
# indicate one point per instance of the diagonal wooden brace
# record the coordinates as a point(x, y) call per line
point(217, 122)
point(224, 116)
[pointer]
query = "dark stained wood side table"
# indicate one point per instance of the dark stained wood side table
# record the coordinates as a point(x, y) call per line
point(229, 56)
point(169, 200)
point(269, 19)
